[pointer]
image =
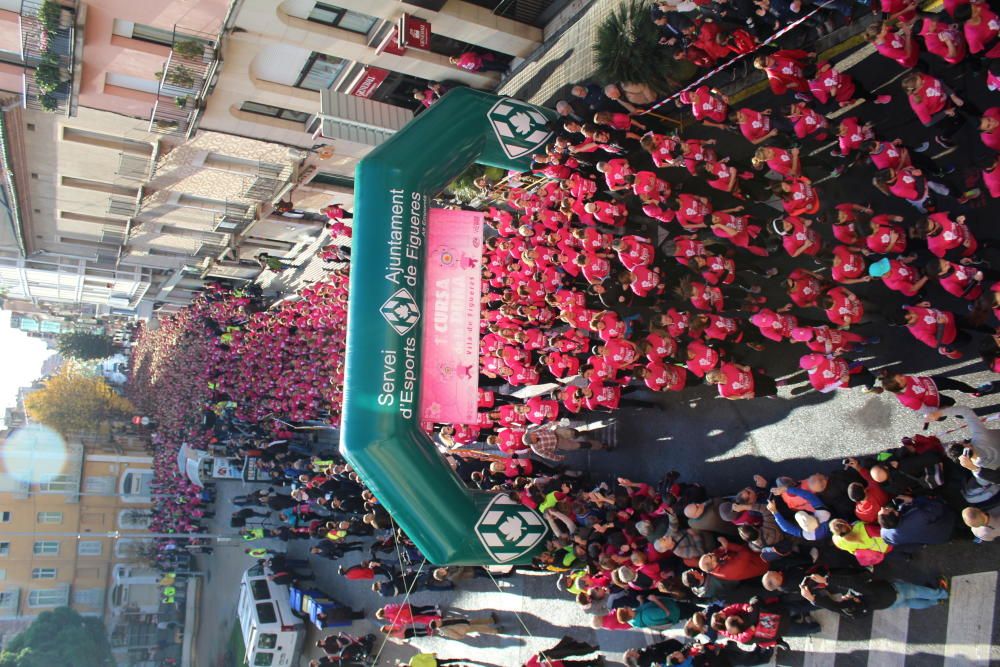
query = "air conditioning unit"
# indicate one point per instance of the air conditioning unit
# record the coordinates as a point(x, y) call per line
point(118, 301)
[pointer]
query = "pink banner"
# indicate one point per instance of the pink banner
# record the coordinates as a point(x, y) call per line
point(449, 372)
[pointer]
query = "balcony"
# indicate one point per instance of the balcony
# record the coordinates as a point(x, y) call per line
point(125, 206)
point(233, 218)
point(48, 38)
point(183, 81)
point(266, 181)
point(134, 167)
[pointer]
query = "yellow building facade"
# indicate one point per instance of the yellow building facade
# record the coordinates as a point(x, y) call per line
point(68, 533)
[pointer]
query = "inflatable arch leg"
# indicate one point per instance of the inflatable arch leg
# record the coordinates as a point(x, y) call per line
point(380, 431)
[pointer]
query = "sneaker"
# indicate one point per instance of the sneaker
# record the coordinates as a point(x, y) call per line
point(943, 143)
point(770, 273)
point(922, 147)
point(882, 99)
point(969, 196)
point(802, 97)
point(873, 340)
point(838, 171)
point(943, 583)
point(983, 389)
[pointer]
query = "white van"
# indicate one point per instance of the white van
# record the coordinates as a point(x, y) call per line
point(272, 636)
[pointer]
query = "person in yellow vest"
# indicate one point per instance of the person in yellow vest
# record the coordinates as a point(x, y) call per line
point(861, 540)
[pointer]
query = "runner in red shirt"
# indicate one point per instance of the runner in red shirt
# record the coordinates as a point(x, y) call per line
point(895, 44)
point(946, 238)
point(944, 40)
point(935, 328)
point(898, 275)
point(799, 197)
point(830, 84)
point(848, 266)
point(617, 173)
point(658, 376)
point(852, 135)
point(779, 160)
point(989, 128)
point(804, 287)
point(923, 393)
point(843, 227)
point(886, 236)
point(708, 105)
point(738, 229)
point(700, 358)
point(633, 251)
point(798, 236)
point(739, 382)
point(785, 70)
point(825, 340)
point(692, 211)
point(842, 307)
point(661, 148)
point(825, 373)
point(981, 30)
point(964, 282)
point(807, 122)
point(774, 326)
point(643, 280)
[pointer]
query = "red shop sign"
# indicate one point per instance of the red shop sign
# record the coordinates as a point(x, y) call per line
point(390, 44)
point(414, 32)
point(369, 81)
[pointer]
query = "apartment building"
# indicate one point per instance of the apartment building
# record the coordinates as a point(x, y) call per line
point(70, 515)
point(338, 74)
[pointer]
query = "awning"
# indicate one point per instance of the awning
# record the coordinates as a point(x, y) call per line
point(189, 463)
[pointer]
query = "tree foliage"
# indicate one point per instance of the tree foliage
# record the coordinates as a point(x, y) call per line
point(83, 346)
point(627, 50)
point(60, 637)
point(71, 401)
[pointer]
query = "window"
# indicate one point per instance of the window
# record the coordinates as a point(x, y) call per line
point(52, 597)
point(4, 517)
point(49, 517)
point(9, 599)
point(320, 72)
point(323, 178)
point(46, 548)
point(89, 597)
point(345, 19)
point(3, 575)
point(275, 112)
point(137, 83)
point(263, 659)
point(4, 548)
point(134, 519)
point(146, 33)
point(267, 640)
point(59, 484)
point(265, 613)
point(259, 589)
point(101, 485)
point(89, 548)
point(135, 485)
point(44, 573)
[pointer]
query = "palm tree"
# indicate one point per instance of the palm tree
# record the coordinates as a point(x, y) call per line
point(628, 51)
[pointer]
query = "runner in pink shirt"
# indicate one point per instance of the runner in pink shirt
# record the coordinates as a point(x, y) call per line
point(842, 307)
point(785, 70)
point(739, 382)
point(946, 238)
point(898, 275)
point(798, 237)
point(935, 328)
point(959, 280)
point(981, 30)
point(709, 106)
point(895, 43)
point(848, 266)
point(944, 40)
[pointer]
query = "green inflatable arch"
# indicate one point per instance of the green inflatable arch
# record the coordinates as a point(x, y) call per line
point(380, 432)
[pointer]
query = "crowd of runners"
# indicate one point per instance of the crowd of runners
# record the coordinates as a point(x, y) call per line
point(653, 260)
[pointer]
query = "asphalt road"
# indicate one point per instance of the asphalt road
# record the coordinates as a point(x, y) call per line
point(723, 443)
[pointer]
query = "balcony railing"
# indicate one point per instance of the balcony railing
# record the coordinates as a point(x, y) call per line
point(47, 49)
point(124, 205)
point(233, 218)
point(267, 180)
point(134, 167)
point(193, 57)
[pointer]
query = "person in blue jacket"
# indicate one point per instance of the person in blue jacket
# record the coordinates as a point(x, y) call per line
point(916, 521)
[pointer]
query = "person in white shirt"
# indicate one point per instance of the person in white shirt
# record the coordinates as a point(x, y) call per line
point(985, 525)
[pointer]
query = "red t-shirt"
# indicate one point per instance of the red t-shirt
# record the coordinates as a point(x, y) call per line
point(920, 392)
point(845, 305)
point(928, 330)
point(703, 358)
point(738, 383)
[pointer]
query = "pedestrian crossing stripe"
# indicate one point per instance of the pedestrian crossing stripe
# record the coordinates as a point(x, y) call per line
point(508, 530)
point(519, 127)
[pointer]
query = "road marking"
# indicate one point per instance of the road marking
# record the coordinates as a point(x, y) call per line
point(970, 624)
point(821, 648)
point(887, 646)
